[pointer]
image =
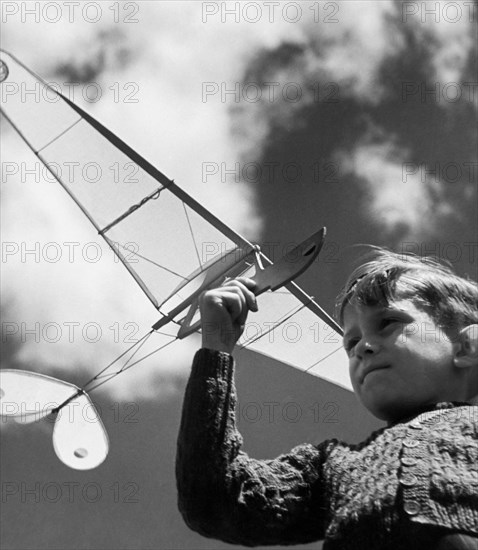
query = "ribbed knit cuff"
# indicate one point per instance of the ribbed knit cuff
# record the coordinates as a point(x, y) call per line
point(209, 363)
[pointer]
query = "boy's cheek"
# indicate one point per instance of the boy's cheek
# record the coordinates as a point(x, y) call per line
point(409, 331)
point(353, 374)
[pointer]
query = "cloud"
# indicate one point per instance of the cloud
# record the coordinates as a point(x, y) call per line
point(343, 56)
point(347, 61)
point(402, 198)
point(448, 31)
point(76, 316)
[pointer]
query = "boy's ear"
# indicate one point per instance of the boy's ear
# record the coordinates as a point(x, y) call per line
point(466, 354)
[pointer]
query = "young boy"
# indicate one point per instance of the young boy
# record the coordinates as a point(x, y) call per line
point(411, 334)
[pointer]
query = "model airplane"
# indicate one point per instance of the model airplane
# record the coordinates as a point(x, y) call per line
point(162, 219)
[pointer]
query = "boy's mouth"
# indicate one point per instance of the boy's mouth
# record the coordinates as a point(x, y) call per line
point(371, 368)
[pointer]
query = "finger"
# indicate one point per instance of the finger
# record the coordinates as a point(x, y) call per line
point(247, 301)
point(235, 303)
point(247, 282)
point(250, 284)
point(243, 285)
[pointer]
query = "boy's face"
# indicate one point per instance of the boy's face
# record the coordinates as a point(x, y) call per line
point(399, 359)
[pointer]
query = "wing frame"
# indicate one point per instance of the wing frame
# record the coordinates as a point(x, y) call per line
point(165, 183)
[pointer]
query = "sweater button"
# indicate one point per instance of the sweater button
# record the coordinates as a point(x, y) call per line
point(409, 461)
point(411, 443)
point(412, 508)
point(409, 480)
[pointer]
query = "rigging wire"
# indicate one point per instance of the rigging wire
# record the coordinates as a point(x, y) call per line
point(192, 236)
point(135, 363)
point(322, 359)
point(146, 259)
point(140, 341)
point(280, 322)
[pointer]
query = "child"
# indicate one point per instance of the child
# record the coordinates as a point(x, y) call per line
point(411, 334)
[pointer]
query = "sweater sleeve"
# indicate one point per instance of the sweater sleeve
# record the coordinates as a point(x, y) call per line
point(222, 492)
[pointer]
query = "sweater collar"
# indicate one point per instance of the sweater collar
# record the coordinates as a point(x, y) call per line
point(430, 408)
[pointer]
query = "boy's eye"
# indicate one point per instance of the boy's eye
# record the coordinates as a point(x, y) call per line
point(350, 344)
point(384, 323)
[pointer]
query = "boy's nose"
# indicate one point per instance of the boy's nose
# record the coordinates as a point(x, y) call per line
point(367, 346)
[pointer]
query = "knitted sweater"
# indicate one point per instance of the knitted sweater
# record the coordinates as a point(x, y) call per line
point(406, 479)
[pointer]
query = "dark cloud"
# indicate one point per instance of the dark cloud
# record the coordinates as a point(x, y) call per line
point(106, 50)
point(426, 130)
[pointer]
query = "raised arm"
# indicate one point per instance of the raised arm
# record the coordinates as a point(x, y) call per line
point(225, 494)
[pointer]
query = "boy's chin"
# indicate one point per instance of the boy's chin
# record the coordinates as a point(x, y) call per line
point(388, 410)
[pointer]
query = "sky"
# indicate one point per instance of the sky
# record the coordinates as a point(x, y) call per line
point(278, 118)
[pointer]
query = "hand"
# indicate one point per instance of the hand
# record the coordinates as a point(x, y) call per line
point(224, 312)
